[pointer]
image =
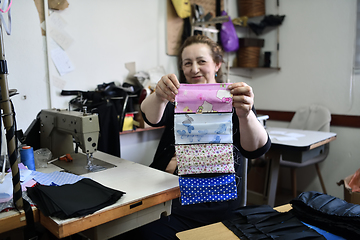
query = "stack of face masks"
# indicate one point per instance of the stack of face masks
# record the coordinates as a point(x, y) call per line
point(73, 200)
point(204, 144)
point(328, 213)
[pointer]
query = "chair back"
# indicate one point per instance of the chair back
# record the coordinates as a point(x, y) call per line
point(314, 117)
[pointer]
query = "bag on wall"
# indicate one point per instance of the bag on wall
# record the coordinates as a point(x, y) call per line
point(182, 8)
point(228, 36)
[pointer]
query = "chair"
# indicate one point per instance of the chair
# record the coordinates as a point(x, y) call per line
point(316, 118)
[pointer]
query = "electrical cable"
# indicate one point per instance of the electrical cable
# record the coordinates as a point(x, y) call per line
point(2, 10)
point(8, 11)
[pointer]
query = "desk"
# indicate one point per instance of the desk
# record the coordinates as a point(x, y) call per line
point(147, 190)
point(148, 195)
point(14, 219)
point(216, 231)
point(309, 141)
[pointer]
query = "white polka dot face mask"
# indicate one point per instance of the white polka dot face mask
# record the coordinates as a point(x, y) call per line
point(214, 189)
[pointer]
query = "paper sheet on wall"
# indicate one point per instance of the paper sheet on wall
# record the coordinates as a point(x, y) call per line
point(61, 61)
point(57, 21)
point(57, 31)
point(61, 37)
point(58, 82)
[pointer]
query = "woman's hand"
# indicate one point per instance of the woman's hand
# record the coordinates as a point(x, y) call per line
point(167, 87)
point(243, 98)
point(154, 105)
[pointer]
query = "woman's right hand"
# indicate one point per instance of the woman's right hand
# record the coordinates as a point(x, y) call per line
point(167, 87)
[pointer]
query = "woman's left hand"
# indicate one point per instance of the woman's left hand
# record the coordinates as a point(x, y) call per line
point(243, 98)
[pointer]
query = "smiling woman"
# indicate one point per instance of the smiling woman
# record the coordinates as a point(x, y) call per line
point(200, 59)
point(199, 63)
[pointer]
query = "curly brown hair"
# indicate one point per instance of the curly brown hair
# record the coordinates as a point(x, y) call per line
point(217, 54)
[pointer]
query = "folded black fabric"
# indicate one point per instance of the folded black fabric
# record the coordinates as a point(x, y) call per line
point(263, 222)
point(73, 200)
point(328, 213)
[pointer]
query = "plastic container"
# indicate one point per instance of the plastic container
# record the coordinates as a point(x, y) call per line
point(42, 156)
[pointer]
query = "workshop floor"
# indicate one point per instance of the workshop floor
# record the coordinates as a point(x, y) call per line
point(283, 197)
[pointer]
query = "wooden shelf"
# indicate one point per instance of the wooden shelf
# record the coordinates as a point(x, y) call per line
point(269, 68)
point(220, 19)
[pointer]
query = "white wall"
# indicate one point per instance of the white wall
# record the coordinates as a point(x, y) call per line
point(106, 35)
point(25, 54)
point(316, 56)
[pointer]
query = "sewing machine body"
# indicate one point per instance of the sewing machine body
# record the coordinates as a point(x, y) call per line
point(58, 128)
point(62, 130)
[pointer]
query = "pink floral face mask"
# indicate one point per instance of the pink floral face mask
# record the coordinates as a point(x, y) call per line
point(203, 98)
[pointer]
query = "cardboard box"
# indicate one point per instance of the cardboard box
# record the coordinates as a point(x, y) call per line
point(349, 196)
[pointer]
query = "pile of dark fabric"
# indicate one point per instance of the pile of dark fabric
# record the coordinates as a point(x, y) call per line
point(328, 213)
point(110, 102)
point(263, 222)
point(73, 200)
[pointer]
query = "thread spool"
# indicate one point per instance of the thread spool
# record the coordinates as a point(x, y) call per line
point(27, 157)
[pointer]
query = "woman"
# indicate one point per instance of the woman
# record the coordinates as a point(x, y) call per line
point(200, 61)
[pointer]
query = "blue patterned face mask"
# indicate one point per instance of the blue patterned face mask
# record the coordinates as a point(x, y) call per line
point(203, 128)
point(213, 189)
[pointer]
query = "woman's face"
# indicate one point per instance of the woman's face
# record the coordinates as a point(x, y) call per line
point(198, 65)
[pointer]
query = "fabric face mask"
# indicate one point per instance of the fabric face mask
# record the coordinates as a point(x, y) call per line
point(205, 158)
point(214, 189)
point(203, 128)
point(203, 98)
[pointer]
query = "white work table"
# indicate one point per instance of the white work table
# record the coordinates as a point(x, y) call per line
point(298, 139)
point(292, 142)
point(148, 194)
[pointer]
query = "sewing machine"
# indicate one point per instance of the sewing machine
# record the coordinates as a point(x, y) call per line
point(63, 132)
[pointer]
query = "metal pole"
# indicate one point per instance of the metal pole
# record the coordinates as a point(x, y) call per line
point(8, 118)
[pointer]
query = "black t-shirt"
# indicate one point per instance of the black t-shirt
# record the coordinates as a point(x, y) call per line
point(203, 212)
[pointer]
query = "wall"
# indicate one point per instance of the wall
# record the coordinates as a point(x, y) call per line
point(105, 36)
point(25, 54)
point(316, 60)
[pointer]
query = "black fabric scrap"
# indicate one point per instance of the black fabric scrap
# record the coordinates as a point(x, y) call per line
point(263, 222)
point(73, 200)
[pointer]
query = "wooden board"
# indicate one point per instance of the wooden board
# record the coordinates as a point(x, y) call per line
point(217, 230)
point(175, 24)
